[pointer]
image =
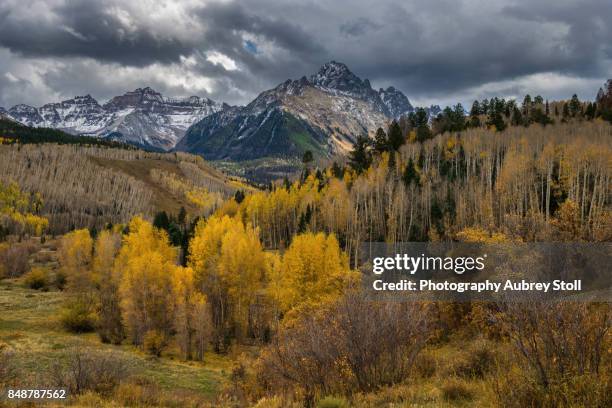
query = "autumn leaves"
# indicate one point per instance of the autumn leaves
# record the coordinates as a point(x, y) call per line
point(132, 286)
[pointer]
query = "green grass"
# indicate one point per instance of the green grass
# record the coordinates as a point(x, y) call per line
point(29, 326)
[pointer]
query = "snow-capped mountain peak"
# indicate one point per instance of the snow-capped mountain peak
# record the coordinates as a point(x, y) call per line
point(142, 116)
point(322, 113)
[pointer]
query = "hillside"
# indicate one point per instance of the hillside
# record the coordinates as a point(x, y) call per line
point(90, 186)
point(268, 289)
point(323, 114)
point(37, 346)
point(13, 131)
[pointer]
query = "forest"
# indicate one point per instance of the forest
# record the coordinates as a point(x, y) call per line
point(266, 282)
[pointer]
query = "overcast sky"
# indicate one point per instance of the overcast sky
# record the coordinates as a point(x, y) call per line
point(436, 51)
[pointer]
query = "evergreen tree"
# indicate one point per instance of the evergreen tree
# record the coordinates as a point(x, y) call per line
point(396, 139)
point(475, 111)
point(420, 122)
point(161, 220)
point(307, 158)
point(566, 111)
point(410, 174)
point(381, 143)
point(575, 107)
point(360, 157)
point(239, 196)
point(337, 171)
point(484, 107)
point(182, 215)
point(517, 117)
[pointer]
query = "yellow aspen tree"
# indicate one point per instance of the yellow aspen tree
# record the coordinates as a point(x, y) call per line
point(108, 323)
point(146, 263)
point(191, 314)
point(204, 252)
point(75, 257)
point(242, 269)
point(313, 270)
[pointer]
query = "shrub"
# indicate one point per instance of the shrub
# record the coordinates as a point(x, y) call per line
point(154, 342)
point(8, 367)
point(478, 363)
point(14, 258)
point(456, 390)
point(333, 402)
point(37, 278)
point(90, 371)
point(377, 342)
point(271, 402)
point(43, 257)
point(78, 317)
point(517, 389)
point(425, 366)
point(60, 280)
point(135, 393)
point(560, 340)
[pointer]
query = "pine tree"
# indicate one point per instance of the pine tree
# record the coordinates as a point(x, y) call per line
point(420, 122)
point(396, 139)
point(307, 158)
point(360, 157)
point(475, 111)
point(381, 143)
point(410, 174)
point(161, 220)
point(575, 106)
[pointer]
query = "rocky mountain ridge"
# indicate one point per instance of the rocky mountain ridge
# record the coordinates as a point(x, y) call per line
point(323, 113)
point(143, 117)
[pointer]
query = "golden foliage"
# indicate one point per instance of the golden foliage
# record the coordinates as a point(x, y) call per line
point(18, 209)
point(146, 263)
point(313, 270)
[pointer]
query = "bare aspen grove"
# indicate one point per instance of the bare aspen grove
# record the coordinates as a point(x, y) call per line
point(511, 182)
point(83, 186)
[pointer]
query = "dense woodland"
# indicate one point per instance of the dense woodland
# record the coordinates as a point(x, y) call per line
point(275, 271)
point(13, 132)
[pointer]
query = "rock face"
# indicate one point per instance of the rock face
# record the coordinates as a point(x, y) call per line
point(142, 117)
point(323, 113)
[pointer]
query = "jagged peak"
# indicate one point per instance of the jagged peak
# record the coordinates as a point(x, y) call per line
point(22, 107)
point(336, 74)
point(82, 100)
point(334, 66)
point(146, 90)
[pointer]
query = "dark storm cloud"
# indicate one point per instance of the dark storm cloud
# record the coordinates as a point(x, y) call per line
point(87, 29)
point(429, 49)
point(358, 27)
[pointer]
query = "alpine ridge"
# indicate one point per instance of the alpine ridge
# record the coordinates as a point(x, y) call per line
point(142, 117)
point(323, 113)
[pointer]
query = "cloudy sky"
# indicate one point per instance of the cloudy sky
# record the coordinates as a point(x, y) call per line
point(436, 51)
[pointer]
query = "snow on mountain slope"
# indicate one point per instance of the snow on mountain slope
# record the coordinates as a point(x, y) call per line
point(323, 113)
point(142, 116)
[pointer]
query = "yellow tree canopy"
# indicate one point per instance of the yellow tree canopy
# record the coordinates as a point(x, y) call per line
point(18, 209)
point(312, 270)
point(75, 256)
point(146, 265)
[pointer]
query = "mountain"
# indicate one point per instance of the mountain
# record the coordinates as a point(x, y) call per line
point(15, 131)
point(4, 115)
point(323, 113)
point(143, 117)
